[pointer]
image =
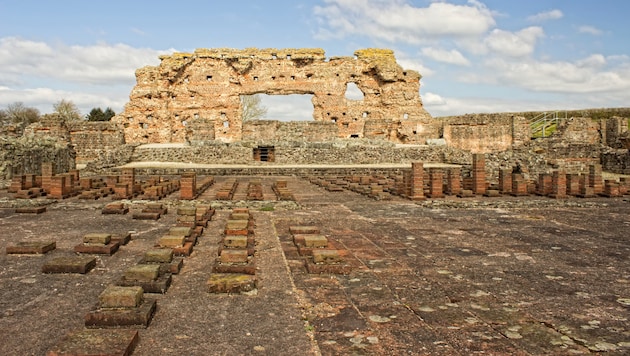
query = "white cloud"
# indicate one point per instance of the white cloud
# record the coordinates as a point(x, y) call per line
point(96, 64)
point(592, 75)
point(546, 15)
point(590, 30)
point(40, 74)
point(514, 44)
point(409, 63)
point(442, 55)
point(399, 21)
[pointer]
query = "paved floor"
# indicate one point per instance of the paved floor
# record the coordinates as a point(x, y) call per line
point(495, 276)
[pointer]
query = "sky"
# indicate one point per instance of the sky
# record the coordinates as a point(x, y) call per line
point(474, 56)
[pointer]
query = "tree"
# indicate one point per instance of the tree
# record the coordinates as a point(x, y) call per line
point(67, 110)
point(18, 116)
point(252, 107)
point(97, 114)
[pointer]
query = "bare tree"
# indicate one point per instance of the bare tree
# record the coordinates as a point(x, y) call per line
point(67, 110)
point(252, 107)
point(18, 116)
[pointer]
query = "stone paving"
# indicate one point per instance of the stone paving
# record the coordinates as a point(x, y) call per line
point(492, 275)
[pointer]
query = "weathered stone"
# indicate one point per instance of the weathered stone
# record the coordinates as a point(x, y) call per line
point(172, 241)
point(158, 255)
point(97, 238)
point(326, 256)
point(233, 256)
point(235, 241)
point(302, 230)
point(147, 272)
point(231, 283)
point(180, 231)
point(70, 264)
point(315, 241)
point(139, 316)
point(120, 297)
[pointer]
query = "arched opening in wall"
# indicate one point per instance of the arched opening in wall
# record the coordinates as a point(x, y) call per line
point(353, 92)
point(291, 107)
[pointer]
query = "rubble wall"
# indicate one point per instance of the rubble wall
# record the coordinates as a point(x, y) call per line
point(206, 85)
point(25, 156)
point(92, 140)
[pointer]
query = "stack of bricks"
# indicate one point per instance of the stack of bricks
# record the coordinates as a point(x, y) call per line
point(282, 191)
point(573, 184)
point(586, 190)
point(151, 277)
point(505, 181)
point(254, 190)
point(120, 306)
point(59, 187)
point(611, 189)
point(180, 239)
point(128, 177)
point(436, 183)
point(519, 185)
point(543, 187)
point(227, 189)
point(188, 186)
point(151, 211)
point(595, 179)
point(115, 208)
point(97, 243)
point(558, 185)
point(416, 181)
point(234, 270)
point(454, 181)
point(164, 258)
point(624, 185)
point(47, 174)
point(479, 174)
point(320, 254)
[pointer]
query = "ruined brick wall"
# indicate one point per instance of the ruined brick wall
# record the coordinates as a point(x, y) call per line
point(270, 131)
point(206, 86)
point(26, 154)
point(484, 133)
point(91, 140)
point(617, 161)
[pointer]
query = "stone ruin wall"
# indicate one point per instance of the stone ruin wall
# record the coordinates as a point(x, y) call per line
point(203, 89)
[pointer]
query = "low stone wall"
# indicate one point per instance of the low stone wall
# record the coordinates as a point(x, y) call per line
point(25, 156)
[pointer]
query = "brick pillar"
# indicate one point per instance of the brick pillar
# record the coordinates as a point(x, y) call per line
point(624, 185)
point(17, 183)
point(454, 181)
point(558, 185)
point(586, 191)
point(505, 181)
point(611, 189)
point(479, 174)
point(128, 176)
point(544, 184)
point(111, 181)
point(436, 182)
point(58, 188)
point(29, 181)
point(519, 185)
point(47, 174)
point(573, 184)
point(417, 181)
point(595, 179)
point(188, 186)
point(75, 175)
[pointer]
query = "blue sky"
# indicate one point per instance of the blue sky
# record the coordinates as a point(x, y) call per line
point(475, 56)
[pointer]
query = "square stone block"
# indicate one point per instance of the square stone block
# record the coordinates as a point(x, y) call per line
point(233, 256)
point(315, 241)
point(69, 264)
point(139, 316)
point(92, 342)
point(97, 238)
point(235, 241)
point(231, 283)
point(120, 297)
point(122, 239)
point(186, 210)
point(180, 231)
point(326, 256)
point(242, 268)
point(160, 285)
point(146, 216)
point(237, 224)
point(303, 230)
point(172, 241)
point(31, 247)
point(108, 249)
point(158, 255)
point(146, 272)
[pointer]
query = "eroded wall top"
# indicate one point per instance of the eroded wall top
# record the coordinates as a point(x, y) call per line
point(188, 91)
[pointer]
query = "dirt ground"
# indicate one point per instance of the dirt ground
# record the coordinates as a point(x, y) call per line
point(498, 276)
